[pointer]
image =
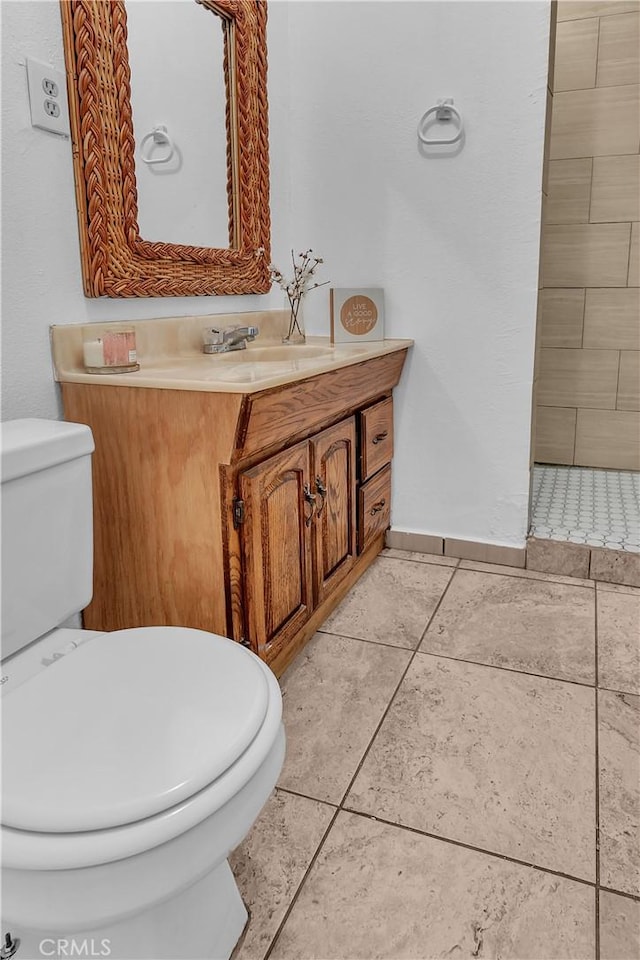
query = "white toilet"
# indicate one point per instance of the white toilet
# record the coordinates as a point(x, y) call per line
point(133, 761)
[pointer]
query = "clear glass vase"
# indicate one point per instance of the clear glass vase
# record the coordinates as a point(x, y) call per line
point(295, 331)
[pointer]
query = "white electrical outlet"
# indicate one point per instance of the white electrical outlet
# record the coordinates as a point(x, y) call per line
point(48, 98)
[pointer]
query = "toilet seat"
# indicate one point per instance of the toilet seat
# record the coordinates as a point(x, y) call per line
point(248, 712)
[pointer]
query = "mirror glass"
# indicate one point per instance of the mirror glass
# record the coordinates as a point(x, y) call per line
point(176, 56)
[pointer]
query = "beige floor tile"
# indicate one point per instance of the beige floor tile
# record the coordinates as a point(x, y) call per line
point(558, 558)
point(619, 755)
point(499, 760)
point(377, 891)
point(530, 625)
point(619, 641)
point(419, 557)
point(272, 861)
point(391, 603)
point(617, 566)
point(619, 927)
point(335, 694)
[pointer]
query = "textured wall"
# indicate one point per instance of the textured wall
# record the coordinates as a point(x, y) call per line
point(588, 377)
point(453, 240)
point(41, 279)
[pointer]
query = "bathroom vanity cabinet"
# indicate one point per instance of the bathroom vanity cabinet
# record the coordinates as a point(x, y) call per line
point(246, 514)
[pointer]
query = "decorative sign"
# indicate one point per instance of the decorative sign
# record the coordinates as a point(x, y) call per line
point(356, 314)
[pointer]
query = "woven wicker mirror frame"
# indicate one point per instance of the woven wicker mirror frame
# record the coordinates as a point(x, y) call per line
point(116, 260)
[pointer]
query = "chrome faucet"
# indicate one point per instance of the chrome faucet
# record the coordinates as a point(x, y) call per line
point(227, 338)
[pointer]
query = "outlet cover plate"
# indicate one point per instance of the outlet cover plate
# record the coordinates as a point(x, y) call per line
point(48, 98)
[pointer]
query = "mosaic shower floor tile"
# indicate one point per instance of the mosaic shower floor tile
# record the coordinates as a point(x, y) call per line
point(582, 505)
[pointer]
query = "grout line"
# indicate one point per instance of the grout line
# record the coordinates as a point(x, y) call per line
point(522, 573)
point(393, 695)
point(477, 663)
point(378, 643)
point(470, 846)
point(624, 693)
point(294, 899)
point(432, 563)
point(537, 575)
point(597, 783)
point(467, 846)
point(621, 893)
point(591, 178)
point(629, 257)
point(340, 807)
point(595, 85)
point(493, 666)
point(305, 796)
point(618, 378)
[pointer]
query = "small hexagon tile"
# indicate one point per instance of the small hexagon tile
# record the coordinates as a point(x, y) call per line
point(582, 505)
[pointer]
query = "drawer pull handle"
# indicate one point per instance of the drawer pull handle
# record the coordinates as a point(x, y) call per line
point(377, 507)
point(310, 498)
point(380, 436)
point(322, 492)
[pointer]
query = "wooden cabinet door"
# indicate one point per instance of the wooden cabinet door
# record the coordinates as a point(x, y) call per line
point(334, 522)
point(276, 546)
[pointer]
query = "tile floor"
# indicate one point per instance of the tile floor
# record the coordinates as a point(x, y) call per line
point(583, 505)
point(459, 736)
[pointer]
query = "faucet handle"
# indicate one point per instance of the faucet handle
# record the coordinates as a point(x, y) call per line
point(212, 335)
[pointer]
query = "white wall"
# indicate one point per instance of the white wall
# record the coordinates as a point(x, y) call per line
point(454, 242)
point(41, 278)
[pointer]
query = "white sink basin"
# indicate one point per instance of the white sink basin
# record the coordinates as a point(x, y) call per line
point(277, 354)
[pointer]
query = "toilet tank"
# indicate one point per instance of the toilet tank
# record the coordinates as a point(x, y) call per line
point(47, 527)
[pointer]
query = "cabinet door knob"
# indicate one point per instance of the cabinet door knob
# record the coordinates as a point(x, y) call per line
point(311, 500)
point(377, 507)
point(380, 436)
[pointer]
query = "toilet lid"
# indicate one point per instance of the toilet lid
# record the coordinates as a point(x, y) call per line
point(126, 726)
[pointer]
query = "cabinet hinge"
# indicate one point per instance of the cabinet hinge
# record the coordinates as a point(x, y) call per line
point(238, 512)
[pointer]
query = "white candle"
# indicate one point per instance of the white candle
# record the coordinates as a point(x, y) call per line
point(93, 353)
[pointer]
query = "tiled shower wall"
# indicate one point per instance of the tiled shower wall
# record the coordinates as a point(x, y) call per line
point(587, 389)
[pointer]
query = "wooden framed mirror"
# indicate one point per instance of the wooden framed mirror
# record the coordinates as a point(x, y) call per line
point(116, 260)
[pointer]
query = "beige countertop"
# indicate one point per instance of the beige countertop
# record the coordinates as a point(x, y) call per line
point(171, 357)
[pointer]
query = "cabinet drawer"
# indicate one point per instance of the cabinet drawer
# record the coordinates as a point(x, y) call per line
point(374, 503)
point(376, 438)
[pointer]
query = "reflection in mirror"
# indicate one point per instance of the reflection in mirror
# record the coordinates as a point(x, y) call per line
point(177, 81)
